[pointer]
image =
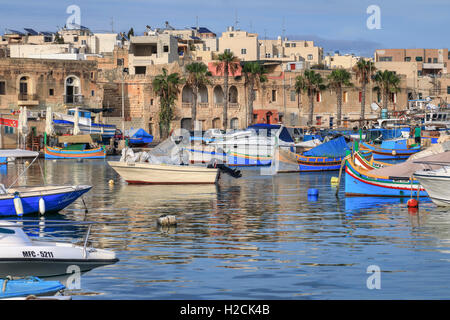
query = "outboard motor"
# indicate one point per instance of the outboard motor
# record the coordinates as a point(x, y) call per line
point(214, 163)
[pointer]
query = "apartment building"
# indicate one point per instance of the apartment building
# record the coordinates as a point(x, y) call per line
point(290, 50)
point(243, 44)
point(145, 51)
point(346, 61)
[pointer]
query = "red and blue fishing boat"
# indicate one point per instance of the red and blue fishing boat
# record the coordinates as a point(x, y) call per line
point(77, 147)
point(396, 149)
point(362, 182)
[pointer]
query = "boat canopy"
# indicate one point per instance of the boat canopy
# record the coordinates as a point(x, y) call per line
point(332, 149)
point(271, 129)
point(139, 135)
point(86, 138)
point(18, 153)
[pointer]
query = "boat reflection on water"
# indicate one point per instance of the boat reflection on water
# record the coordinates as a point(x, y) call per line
point(371, 204)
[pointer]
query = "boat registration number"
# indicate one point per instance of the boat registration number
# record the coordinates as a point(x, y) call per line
point(38, 254)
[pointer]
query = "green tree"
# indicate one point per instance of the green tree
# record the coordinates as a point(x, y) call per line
point(254, 73)
point(227, 63)
point(364, 70)
point(166, 86)
point(58, 39)
point(387, 82)
point(197, 76)
point(338, 79)
point(311, 83)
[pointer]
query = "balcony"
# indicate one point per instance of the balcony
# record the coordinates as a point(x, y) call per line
point(186, 104)
point(203, 104)
point(233, 105)
point(218, 105)
point(74, 99)
point(25, 99)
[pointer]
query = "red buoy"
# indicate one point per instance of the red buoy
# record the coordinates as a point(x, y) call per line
point(413, 203)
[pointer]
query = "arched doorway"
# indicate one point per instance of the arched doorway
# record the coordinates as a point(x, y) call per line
point(233, 95)
point(202, 94)
point(72, 90)
point(218, 94)
point(187, 94)
point(23, 87)
point(234, 123)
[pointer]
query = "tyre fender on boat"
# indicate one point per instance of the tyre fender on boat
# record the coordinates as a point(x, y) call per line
point(18, 204)
point(41, 205)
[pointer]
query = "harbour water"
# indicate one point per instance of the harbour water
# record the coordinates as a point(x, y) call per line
point(257, 237)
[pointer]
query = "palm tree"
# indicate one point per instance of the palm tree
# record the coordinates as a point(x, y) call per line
point(337, 79)
point(197, 76)
point(387, 82)
point(166, 86)
point(254, 74)
point(311, 83)
point(364, 70)
point(228, 63)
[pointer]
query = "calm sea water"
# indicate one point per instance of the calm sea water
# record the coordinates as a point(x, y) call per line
point(257, 237)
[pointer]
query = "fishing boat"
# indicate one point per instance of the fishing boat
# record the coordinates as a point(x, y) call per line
point(15, 288)
point(253, 146)
point(436, 182)
point(65, 123)
point(21, 255)
point(146, 173)
point(22, 200)
point(138, 137)
point(325, 157)
point(363, 182)
point(394, 149)
point(77, 147)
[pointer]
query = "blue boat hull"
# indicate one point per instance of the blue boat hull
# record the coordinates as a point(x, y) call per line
point(53, 203)
point(30, 286)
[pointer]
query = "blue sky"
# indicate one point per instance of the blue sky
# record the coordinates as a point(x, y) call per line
point(333, 24)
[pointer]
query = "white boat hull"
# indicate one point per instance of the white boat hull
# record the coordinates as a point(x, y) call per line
point(437, 185)
point(146, 173)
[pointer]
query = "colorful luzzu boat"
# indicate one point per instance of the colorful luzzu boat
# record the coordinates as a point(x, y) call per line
point(60, 153)
point(363, 182)
point(390, 150)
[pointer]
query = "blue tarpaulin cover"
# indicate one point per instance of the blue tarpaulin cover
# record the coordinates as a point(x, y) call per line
point(332, 149)
point(139, 136)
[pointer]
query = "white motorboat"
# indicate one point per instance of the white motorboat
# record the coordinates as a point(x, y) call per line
point(147, 173)
point(437, 184)
point(21, 255)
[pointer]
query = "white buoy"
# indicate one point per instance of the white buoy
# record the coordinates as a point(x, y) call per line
point(18, 205)
point(41, 206)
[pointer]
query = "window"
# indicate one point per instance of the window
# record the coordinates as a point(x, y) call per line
point(9, 130)
point(120, 62)
point(227, 50)
point(293, 45)
point(2, 87)
point(383, 59)
point(318, 121)
point(310, 56)
point(244, 51)
point(407, 59)
point(274, 95)
point(268, 55)
point(75, 39)
point(231, 35)
point(419, 73)
point(419, 58)
point(434, 60)
point(83, 42)
point(92, 75)
point(151, 102)
point(288, 45)
point(429, 60)
point(318, 97)
point(293, 93)
point(92, 93)
point(166, 48)
point(345, 97)
point(140, 70)
point(448, 90)
point(51, 92)
point(360, 96)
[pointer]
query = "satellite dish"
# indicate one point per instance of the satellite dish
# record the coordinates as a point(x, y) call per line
point(374, 106)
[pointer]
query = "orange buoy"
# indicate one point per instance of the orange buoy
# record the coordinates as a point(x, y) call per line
point(413, 203)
